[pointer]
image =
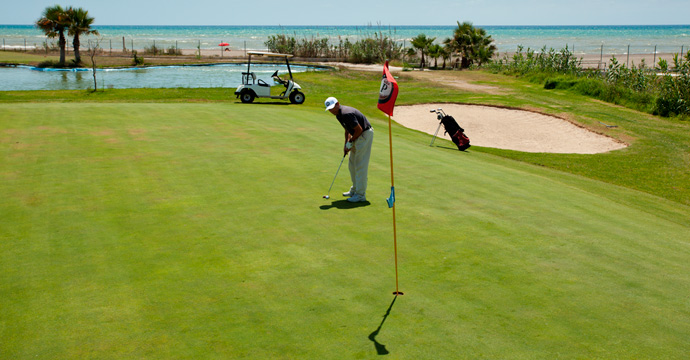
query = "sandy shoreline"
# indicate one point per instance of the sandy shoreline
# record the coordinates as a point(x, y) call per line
point(588, 60)
point(234, 54)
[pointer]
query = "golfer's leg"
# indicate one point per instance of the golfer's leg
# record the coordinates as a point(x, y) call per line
point(353, 172)
point(362, 161)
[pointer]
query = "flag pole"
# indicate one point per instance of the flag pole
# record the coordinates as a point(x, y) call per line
point(387, 95)
point(395, 235)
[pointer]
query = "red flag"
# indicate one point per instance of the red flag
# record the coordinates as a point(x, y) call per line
point(388, 92)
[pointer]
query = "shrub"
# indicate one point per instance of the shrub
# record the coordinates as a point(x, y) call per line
point(281, 43)
point(137, 60)
point(674, 95)
point(636, 87)
point(367, 50)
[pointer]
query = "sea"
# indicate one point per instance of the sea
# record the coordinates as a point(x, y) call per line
point(632, 39)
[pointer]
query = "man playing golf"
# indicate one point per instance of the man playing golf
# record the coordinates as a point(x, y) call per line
point(359, 136)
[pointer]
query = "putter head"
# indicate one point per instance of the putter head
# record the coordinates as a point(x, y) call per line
point(326, 197)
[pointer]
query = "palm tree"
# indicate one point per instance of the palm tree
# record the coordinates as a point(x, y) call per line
point(80, 23)
point(435, 51)
point(473, 44)
point(53, 23)
point(422, 43)
point(446, 54)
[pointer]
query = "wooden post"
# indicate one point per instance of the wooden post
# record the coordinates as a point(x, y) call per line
point(124, 48)
point(627, 61)
point(111, 47)
point(654, 62)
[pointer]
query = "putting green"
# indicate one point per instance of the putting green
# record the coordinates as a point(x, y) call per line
point(199, 231)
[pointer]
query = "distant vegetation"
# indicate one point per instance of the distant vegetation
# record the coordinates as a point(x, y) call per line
point(661, 90)
point(55, 21)
point(368, 50)
point(469, 45)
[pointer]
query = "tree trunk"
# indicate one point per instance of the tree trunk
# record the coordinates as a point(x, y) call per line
point(75, 43)
point(63, 43)
point(465, 63)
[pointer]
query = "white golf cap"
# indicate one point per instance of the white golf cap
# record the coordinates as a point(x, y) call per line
point(330, 103)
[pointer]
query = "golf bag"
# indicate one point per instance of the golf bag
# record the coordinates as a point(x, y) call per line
point(457, 134)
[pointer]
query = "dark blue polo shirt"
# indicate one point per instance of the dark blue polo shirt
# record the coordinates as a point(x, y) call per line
point(349, 117)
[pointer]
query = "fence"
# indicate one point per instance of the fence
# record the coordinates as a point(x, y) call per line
point(596, 55)
point(115, 46)
point(627, 54)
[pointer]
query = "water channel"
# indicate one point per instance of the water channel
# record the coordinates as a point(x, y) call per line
point(179, 76)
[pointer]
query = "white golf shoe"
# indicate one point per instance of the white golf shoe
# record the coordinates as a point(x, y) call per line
point(349, 193)
point(357, 198)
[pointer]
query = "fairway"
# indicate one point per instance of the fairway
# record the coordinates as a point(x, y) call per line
point(164, 231)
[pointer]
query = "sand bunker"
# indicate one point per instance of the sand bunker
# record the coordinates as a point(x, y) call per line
point(509, 129)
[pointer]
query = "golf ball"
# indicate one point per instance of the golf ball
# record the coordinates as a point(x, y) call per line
point(326, 197)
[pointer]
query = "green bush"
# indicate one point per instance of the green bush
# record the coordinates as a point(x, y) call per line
point(281, 43)
point(636, 87)
point(674, 96)
point(368, 50)
point(136, 61)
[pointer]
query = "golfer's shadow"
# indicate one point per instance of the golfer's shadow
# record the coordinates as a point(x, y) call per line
point(344, 204)
point(380, 348)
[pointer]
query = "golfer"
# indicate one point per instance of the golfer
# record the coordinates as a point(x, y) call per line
point(359, 136)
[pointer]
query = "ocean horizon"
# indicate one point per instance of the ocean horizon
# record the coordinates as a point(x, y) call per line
point(581, 39)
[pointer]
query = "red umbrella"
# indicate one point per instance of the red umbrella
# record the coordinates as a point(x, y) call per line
point(223, 44)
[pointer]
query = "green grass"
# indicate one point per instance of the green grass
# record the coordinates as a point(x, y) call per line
point(136, 225)
point(657, 163)
point(17, 57)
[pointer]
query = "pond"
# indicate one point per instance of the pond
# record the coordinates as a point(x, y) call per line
point(179, 76)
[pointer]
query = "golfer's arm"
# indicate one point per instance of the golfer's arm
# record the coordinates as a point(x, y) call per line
point(358, 132)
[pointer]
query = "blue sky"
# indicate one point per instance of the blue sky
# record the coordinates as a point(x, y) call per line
point(363, 12)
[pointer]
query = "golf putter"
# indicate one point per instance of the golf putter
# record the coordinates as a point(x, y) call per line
point(328, 196)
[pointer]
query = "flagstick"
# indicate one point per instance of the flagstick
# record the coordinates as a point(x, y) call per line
point(395, 236)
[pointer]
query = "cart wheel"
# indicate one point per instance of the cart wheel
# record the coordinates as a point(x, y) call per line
point(247, 97)
point(296, 97)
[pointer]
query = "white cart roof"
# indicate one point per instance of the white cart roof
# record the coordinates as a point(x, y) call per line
point(269, 54)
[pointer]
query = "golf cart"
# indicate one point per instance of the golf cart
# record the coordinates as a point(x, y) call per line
point(252, 88)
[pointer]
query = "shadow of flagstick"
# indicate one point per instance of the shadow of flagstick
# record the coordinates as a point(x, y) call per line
point(380, 348)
